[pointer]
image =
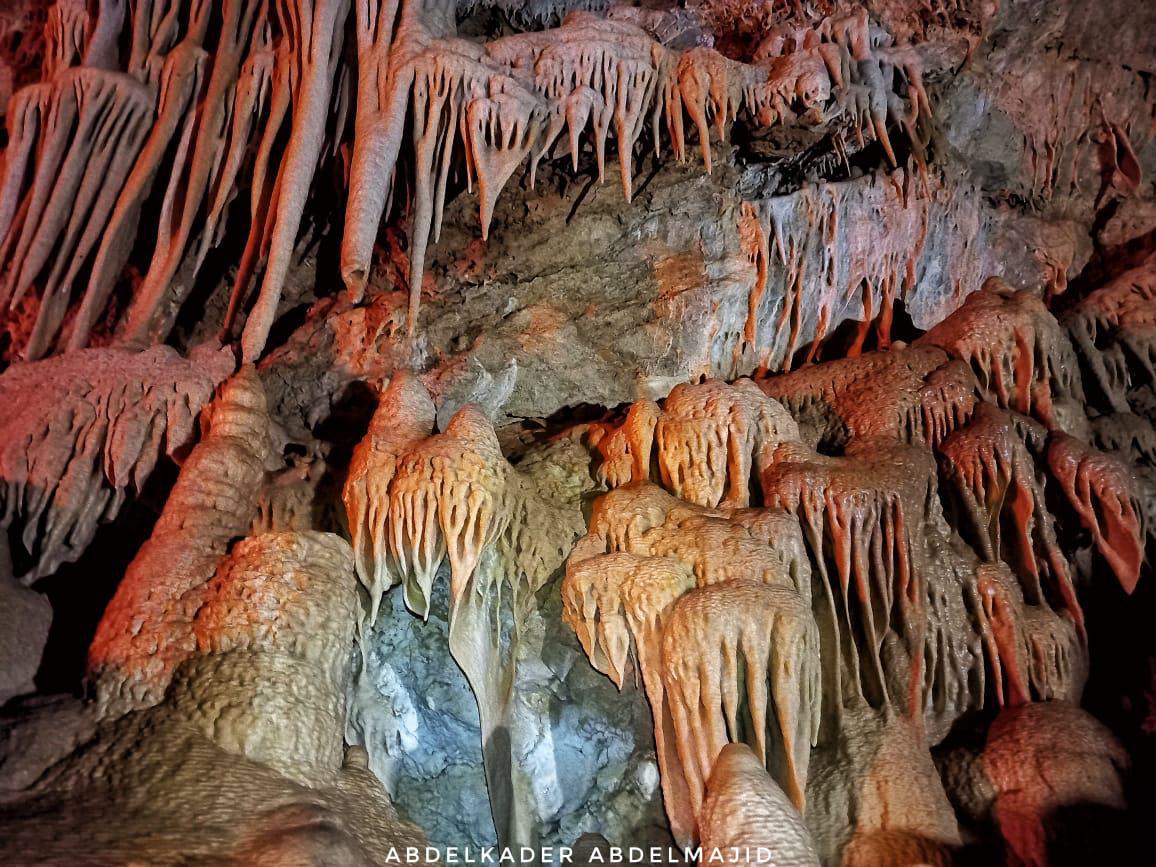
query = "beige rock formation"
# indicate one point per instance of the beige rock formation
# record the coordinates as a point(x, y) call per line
point(822, 453)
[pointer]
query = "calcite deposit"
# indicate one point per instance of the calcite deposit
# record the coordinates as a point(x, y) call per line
point(379, 484)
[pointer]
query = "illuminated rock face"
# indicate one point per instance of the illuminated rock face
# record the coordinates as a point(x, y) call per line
point(793, 493)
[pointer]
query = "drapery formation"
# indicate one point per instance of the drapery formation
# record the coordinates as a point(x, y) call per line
point(201, 108)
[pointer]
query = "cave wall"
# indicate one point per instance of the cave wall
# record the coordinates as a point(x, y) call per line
point(209, 296)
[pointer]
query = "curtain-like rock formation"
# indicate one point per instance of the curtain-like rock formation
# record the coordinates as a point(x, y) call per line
point(823, 452)
point(453, 496)
point(83, 431)
point(182, 117)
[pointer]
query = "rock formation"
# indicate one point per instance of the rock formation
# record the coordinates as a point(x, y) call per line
point(744, 810)
point(795, 493)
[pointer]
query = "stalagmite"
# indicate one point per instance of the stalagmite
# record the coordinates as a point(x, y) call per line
point(242, 760)
point(1101, 489)
point(746, 812)
point(82, 431)
point(237, 674)
point(147, 629)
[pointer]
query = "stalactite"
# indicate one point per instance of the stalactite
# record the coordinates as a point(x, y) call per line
point(891, 591)
point(1112, 329)
point(290, 498)
point(1101, 489)
point(404, 416)
point(1130, 436)
point(275, 71)
point(1040, 760)
point(648, 593)
point(711, 89)
point(626, 449)
point(454, 496)
point(765, 631)
point(915, 396)
point(1034, 652)
point(147, 629)
point(994, 476)
point(317, 34)
point(712, 438)
point(94, 429)
point(449, 497)
point(717, 545)
point(1016, 348)
point(64, 35)
point(179, 84)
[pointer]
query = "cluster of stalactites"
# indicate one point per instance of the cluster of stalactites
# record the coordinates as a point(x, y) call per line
point(991, 470)
point(512, 99)
point(1020, 355)
point(1035, 652)
point(176, 117)
point(860, 518)
point(1024, 361)
point(80, 432)
point(161, 119)
point(708, 441)
point(415, 498)
point(713, 606)
point(449, 497)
